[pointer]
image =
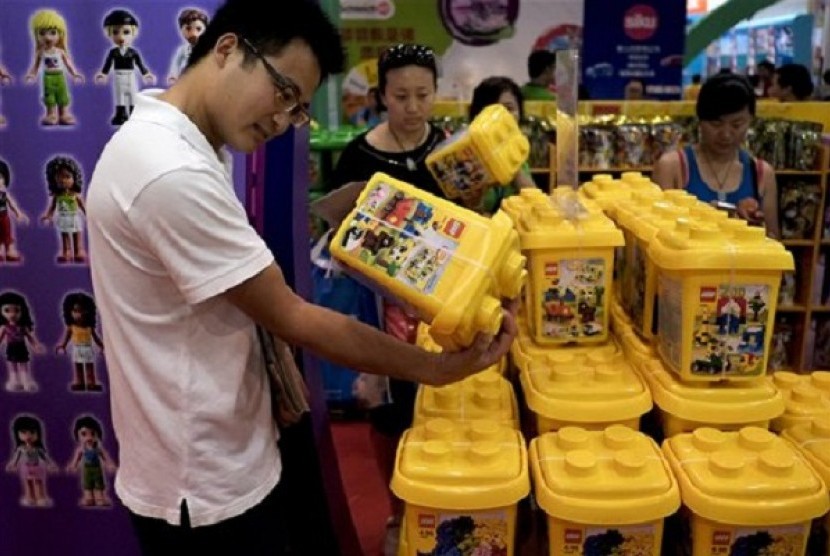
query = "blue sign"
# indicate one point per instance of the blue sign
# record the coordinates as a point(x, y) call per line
point(633, 40)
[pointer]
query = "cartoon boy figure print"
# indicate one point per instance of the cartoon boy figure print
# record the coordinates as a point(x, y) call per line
point(31, 460)
point(17, 330)
point(92, 460)
point(122, 28)
point(52, 53)
point(80, 318)
point(8, 208)
point(65, 181)
point(192, 23)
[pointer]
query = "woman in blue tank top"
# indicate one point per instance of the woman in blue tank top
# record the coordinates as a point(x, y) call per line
point(717, 170)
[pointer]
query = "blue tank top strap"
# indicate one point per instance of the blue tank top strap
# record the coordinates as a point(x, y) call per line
point(697, 187)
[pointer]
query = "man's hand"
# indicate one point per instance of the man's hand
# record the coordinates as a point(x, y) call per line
point(485, 351)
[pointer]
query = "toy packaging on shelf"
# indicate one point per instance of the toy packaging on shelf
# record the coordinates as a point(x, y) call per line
point(744, 492)
point(718, 290)
point(570, 246)
point(461, 483)
point(488, 152)
point(604, 492)
point(798, 206)
point(451, 265)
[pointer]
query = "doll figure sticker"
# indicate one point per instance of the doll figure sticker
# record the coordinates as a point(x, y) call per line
point(5, 79)
point(122, 28)
point(65, 181)
point(8, 208)
point(31, 461)
point(80, 317)
point(17, 331)
point(192, 23)
point(91, 461)
point(52, 57)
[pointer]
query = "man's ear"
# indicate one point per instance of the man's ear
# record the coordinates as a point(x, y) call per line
point(225, 46)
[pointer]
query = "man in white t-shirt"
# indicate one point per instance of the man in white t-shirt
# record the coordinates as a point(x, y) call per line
point(181, 279)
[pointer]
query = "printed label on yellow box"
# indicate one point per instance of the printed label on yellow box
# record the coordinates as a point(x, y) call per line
point(634, 285)
point(670, 319)
point(460, 169)
point(638, 539)
point(770, 540)
point(573, 304)
point(409, 239)
point(457, 533)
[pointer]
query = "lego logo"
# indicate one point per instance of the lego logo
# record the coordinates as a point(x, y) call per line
point(551, 269)
point(708, 294)
point(640, 22)
point(426, 521)
point(721, 538)
point(454, 228)
point(573, 536)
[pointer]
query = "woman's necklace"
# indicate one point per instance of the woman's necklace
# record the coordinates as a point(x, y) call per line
point(410, 163)
point(721, 182)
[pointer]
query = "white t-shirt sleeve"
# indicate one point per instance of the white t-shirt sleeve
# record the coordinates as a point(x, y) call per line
point(191, 220)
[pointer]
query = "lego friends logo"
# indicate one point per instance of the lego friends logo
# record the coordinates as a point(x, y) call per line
point(640, 22)
point(573, 536)
point(454, 228)
point(708, 294)
point(426, 521)
point(366, 9)
point(551, 269)
point(721, 538)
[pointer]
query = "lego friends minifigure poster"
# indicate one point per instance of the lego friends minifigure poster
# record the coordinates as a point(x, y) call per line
point(69, 75)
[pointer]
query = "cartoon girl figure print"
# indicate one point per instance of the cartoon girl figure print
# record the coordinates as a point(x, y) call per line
point(8, 208)
point(79, 316)
point(65, 182)
point(52, 53)
point(31, 460)
point(92, 460)
point(17, 330)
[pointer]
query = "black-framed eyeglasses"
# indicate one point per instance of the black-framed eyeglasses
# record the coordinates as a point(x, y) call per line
point(288, 93)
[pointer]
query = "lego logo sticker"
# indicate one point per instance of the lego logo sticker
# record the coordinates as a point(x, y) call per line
point(640, 22)
point(454, 228)
point(551, 269)
point(573, 536)
point(426, 521)
point(366, 9)
point(708, 294)
point(721, 538)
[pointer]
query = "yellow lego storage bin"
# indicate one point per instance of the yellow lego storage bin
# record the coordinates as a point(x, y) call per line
point(488, 152)
point(806, 398)
point(461, 483)
point(812, 440)
point(608, 192)
point(727, 405)
point(448, 263)
point(591, 389)
point(486, 395)
point(718, 292)
point(570, 250)
point(604, 492)
point(745, 492)
point(423, 339)
point(636, 351)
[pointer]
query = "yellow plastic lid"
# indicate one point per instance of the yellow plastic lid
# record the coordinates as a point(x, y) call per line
point(806, 397)
point(524, 348)
point(583, 388)
point(813, 441)
point(605, 192)
point(646, 222)
point(746, 477)
point(613, 477)
point(486, 395)
point(461, 466)
point(547, 228)
point(706, 246)
point(496, 132)
point(724, 402)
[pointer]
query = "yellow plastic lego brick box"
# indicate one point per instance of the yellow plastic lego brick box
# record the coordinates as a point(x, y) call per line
point(745, 492)
point(718, 289)
point(461, 483)
point(806, 398)
point(489, 152)
point(450, 265)
point(604, 492)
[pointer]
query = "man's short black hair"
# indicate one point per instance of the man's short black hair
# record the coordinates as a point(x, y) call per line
point(539, 61)
point(724, 94)
point(270, 26)
point(798, 78)
point(767, 65)
point(696, 79)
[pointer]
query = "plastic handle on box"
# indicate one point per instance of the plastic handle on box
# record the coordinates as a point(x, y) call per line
point(488, 317)
point(511, 276)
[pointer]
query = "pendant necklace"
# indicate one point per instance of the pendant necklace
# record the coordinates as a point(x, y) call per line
point(720, 181)
point(410, 163)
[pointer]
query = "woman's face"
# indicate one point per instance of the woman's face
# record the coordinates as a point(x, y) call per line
point(409, 96)
point(727, 134)
point(509, 101)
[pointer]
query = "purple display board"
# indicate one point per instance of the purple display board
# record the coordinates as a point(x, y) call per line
point(57, 386)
